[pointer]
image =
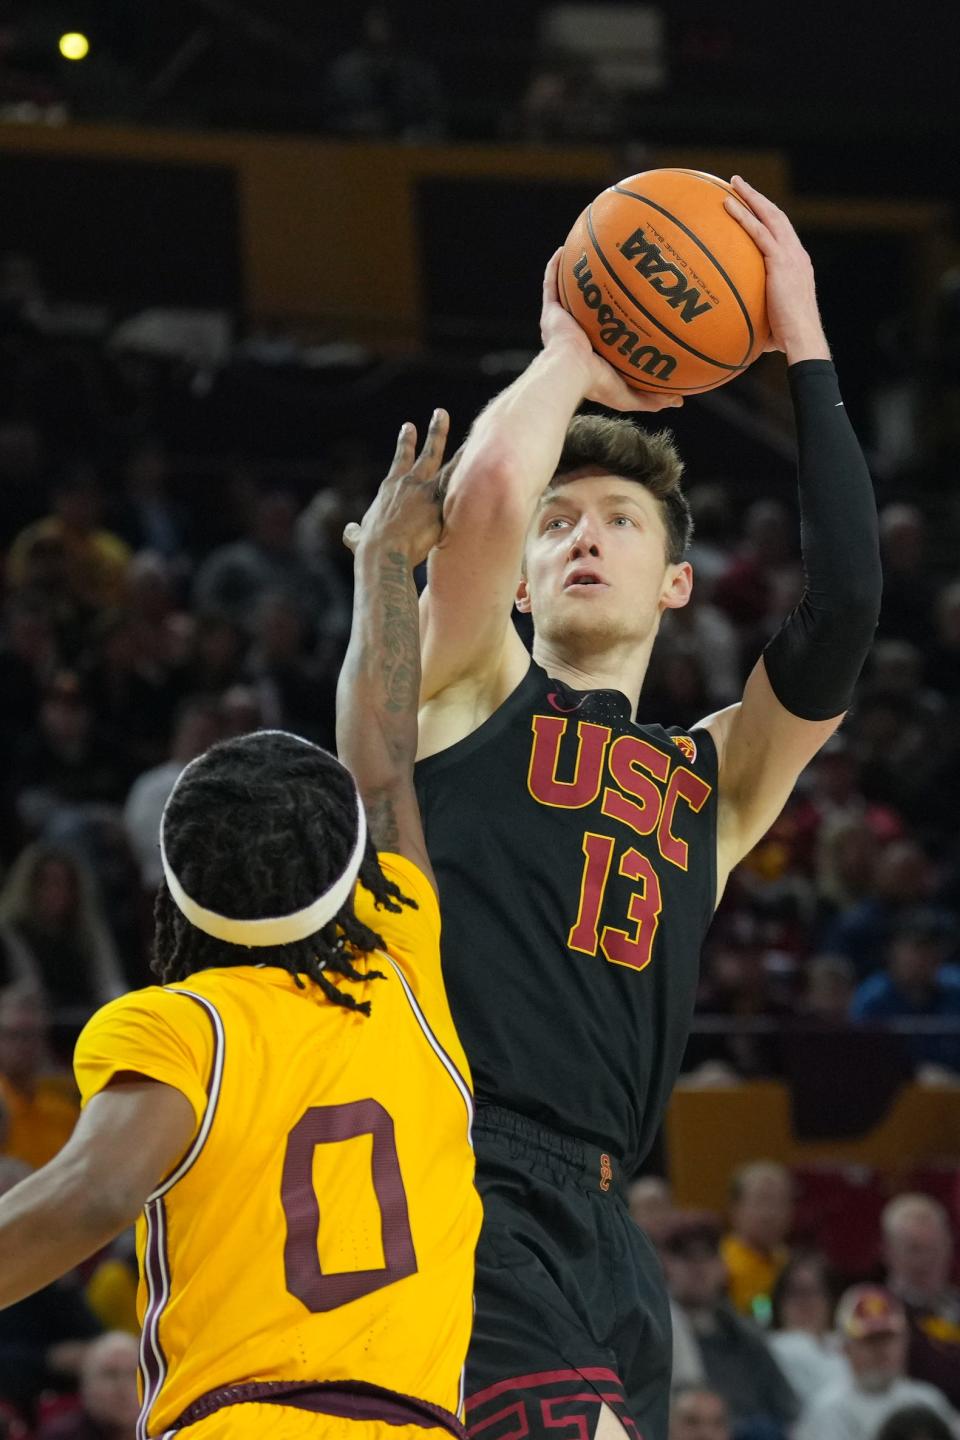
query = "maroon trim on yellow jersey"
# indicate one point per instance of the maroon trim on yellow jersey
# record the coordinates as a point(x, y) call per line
point(466, 1092)
point(156, 1262)
point(350, 1399)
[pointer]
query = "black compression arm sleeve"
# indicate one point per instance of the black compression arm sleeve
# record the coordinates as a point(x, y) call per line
point(814, 659)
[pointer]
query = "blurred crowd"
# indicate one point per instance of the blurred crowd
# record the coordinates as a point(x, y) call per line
point(769, 1342)
point(146, 612)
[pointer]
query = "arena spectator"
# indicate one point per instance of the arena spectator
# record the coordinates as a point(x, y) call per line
point(40, 1115)
point(763, 581)
point(755, 1249)
point(698, 1413)
point(28, 660)
point(709, 553)
point(899, 742)
point(53, 932)
point(832, 789)
point(704, 632)
point(240, 711)
point(917, 985)
point(874, 1330)
point(64, 760)
point(45, 1338)
point(907, 589)
point(896, 667)
point(149, 519)
point(943, 664)
point(712, 1344)
point(233, 580)
point(295, 692)
point(46, 584)
point(829, 986)
point(319, 538)
point(903, 882)
point(915, 1422)
point(96, 560)
point(24, 304)
point(802, 1337)
point(381, 88)
point(129, 691)
point(847, 852)
point(163, 629)
point(97, 833)
point(214, 656)
point(737, 982)
point(566, 100)
point(197, 728)
point(918, 1251)
point(109, 1404)
point(651, 1206)
point(677, 685)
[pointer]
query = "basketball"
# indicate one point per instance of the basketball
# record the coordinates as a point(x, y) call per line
point(670, 288)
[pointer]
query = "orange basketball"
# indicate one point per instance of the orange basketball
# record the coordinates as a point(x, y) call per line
point(669, 287)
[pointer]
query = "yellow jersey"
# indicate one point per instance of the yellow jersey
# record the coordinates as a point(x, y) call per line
point(751, 1274)
point(322, 1225)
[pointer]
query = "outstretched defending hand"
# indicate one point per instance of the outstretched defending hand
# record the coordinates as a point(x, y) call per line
point(407, 509)
point(605, 387)
point(795, 324)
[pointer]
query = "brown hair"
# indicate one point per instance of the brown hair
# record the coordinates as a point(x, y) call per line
point(622, 448)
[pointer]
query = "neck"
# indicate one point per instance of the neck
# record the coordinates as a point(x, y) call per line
point(621, 666)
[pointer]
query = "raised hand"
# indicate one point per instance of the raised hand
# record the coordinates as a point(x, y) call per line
point(406, 511)
point(792, 313)
point(559, 329)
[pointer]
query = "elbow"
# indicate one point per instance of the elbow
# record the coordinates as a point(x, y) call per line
point(858, 611)
point(493, 477)
point(862, 609)
point(853, 604)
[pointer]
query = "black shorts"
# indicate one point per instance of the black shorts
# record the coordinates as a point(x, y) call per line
point(571, 1305)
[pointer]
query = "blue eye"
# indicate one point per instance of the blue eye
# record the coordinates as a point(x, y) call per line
point(622, 520)
point(555, 523)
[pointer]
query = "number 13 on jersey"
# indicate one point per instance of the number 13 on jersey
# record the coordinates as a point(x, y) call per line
point(633, 946)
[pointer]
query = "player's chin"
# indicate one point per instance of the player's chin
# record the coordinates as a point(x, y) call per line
point(594, 623)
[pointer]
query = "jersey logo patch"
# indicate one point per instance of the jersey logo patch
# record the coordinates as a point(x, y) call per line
point(686, 746)
point(554, 700)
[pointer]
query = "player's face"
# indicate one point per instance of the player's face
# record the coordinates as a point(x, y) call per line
point(595, 562)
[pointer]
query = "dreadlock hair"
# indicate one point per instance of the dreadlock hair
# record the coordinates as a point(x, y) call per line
point(621, 448)
point(261, 826)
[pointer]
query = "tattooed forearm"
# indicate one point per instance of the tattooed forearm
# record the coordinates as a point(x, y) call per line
point(378, 692)
point(382, 820)
point(400, 634)
point(379, 687)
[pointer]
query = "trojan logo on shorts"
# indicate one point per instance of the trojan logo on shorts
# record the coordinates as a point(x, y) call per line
point(668, 280)
point(616, 332)
point(606, 1172)
point(686, 746)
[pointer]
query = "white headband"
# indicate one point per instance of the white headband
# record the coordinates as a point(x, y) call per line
point(275, 930)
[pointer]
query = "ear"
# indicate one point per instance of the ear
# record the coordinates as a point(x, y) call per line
point(522, 597)
point(677, 586)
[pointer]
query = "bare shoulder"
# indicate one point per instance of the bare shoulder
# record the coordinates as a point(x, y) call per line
point(457, 710)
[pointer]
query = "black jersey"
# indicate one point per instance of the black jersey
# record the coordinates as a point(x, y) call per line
point(575, 853)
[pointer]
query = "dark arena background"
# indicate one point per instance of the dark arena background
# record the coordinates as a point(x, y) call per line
point(240, 242)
